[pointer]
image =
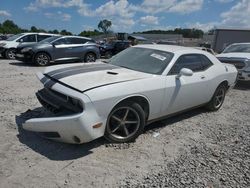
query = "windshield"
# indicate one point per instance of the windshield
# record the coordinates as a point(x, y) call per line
point(142, 59)
point(14, 37)
point(50, 39)
point(237, 48)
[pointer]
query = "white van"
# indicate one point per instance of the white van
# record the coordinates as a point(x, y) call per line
point(8, 46)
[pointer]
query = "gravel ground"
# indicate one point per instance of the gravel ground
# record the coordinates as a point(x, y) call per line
point(194, 149)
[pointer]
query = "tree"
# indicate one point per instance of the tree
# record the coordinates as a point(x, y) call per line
point(10, 27)
point(104, 25)
point(33, 29)
point(65, 32)
point(90, 33)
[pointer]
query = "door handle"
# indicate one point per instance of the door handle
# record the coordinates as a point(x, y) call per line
point(203, 77)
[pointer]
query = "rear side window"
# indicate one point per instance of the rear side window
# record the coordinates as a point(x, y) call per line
point(61, 41)
point(28, 38)
point(42, 37)
point(206, 63)
point(190, 61)
point(77, 40)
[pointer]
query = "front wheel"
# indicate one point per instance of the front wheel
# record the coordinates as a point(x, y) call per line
point(125, 123)
point(42, 59)
point(218, 98)
point(90, 57)
point(108, 54)
point(10, 53)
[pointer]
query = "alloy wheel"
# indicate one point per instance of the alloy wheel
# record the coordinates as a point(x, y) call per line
point(11, 54)
point(219, 97)
point(42, 59)
point(90, 57)
point(123, 122)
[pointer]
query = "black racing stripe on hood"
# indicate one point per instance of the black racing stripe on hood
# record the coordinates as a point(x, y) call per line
point(44, 79)
point(82, 70)
point(58, 71)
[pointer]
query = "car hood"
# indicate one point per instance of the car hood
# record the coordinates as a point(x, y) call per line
point(89, 76)
point(234, 55)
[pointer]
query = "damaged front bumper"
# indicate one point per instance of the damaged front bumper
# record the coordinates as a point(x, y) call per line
point(75, 121)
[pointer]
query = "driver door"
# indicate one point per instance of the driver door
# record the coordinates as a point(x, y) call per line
point(187, 91)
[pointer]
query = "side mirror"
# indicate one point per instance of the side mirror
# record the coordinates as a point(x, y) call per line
point(21, 40)
point(53, 44)
point(185, 72)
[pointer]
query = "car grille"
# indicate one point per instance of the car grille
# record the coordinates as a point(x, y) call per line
point(238, 63)
point(57, 102)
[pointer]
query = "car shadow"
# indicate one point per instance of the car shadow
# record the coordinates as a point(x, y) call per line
point(23, 64)
point(51, 149)
point(242, 85)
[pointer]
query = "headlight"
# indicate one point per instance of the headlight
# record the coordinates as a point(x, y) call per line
point(2, 44)
point(26, 49)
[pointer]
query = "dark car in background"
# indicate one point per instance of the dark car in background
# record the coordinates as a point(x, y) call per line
point(110, 49)
point(59, 49)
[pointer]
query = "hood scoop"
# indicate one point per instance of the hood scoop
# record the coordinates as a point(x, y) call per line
point(112, 73)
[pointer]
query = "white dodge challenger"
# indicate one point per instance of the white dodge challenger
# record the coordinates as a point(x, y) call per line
point(117, 99)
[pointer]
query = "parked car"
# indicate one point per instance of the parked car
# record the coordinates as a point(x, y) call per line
point(238, 54)
point(140, 85)
point(110, 49)
point(210, 50)
point(59, 49)
point(8, 46)
point(3, 37)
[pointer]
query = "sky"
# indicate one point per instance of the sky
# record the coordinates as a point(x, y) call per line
point(127, 15)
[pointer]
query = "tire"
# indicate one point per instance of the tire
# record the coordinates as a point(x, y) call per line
point(90, 57)
point(125, 123)
point(10, 53)
point(218, 98)
point(108, 55)
point(42, 59)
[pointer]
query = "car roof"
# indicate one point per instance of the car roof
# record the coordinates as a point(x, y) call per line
point(169, 48)
point(240, 43)
point(41, 34)
point(66, 36)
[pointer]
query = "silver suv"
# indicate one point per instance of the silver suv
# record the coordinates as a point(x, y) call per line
point(59, 49)
point(238, 54)
point(8, 46)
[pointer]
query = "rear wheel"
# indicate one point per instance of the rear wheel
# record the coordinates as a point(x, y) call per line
point(125, 123)
point(218, 98)
point(10, 53)
point(42, 59)
point(90, 57)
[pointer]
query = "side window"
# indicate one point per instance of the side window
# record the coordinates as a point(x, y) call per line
point(77, 41)
point(28, 38)
point(190, 61)
point(206, 63)
point(60, 41)
point(42, 37)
